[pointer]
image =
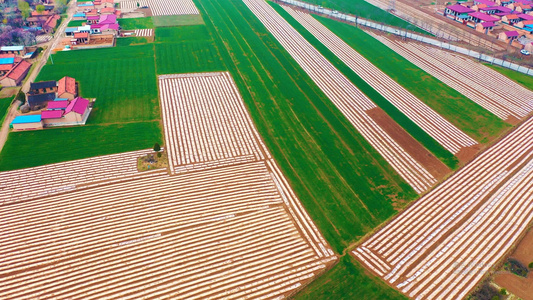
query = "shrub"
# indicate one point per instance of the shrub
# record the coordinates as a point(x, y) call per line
point(157, 148)
point(503, 292)
point(530, 265)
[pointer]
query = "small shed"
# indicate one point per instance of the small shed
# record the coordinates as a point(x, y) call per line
point(28, 122)
point(485, 27)
point(18, 50)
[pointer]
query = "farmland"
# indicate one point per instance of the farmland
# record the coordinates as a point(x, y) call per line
point(5, 103)
point(507, 100)
point(363, 9)
point(339, 177)
point(465, 114)
point(180, 20)
point(35, 148)
point(522, 79)
point(232, 231)
point(136, 23)
point(187, 57)
point(123, 83)
point(455, 234)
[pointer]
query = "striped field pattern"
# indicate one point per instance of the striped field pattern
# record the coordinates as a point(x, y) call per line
point(99, 229)
point(144, 32)
point(443, 245)
point(131, 5)
point(449, 136)
point(488, 88)
point(344, 94)
point(172, 7)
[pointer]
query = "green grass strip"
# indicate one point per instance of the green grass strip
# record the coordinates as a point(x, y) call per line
point(188, 57)
point(462, 112)
point(41, 147)
point(345, 185)
point(365, 10)
point(413, 129)
point(180, 20)
point(136, 23)
point(348, 280)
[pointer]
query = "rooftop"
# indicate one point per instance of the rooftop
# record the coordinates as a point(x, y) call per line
point(511, 33)
point(41, 98)
point(12, 48)
point(486, 2)
point(525, 17)
point(42, 84)
point(51, 114)
point(81, 35)
point(7, 60)
point(78, 105)
point(57, 104)
point(488, 24)
point(26, 119)
point(483, 17)
point(66, 84)
point(19, 70)
point(459, 8)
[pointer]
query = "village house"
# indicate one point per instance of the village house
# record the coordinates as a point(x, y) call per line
point(80, 38)
point(478, 17)
point(84, 6)
point(38, 101)
point(17, 50)
point(485, 27)
point(15, 76)
point(458, 12)
point(75, 113)
point(508, 36)
point(50, 24)
point(510, 19)
point(78, 16)
point(7, 61)
point(43, 87)
point(67, 88)
point(29, 122)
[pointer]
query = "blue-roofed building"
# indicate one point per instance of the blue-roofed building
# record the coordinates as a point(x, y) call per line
point(7, 60)
point(78, 16)
point(18, 50)
point(28, 122)
point(69, 31)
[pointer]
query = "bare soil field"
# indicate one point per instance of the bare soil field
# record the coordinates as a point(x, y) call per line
point(519, 286)
point(443, 245)
point(434, 166)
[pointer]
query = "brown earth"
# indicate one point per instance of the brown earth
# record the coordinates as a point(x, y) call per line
point(431, 163)
point(468, 153)
point(519, 286)
point(512, 120)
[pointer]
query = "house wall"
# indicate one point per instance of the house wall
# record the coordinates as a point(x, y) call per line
point(67, 95)
point(28, 126)
point(8, 82)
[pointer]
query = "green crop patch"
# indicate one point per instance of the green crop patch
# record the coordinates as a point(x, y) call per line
point(182, 34)
point(468, 116)
point(136, 23)
point(363, 9)
point(348, 280)
point(345, 185)
point(180, 20)
point(5, 103)
point(410, 127)
point(125, 87)
point(133, 41)
point(200, 56)
point(35, 148)
point(75, 23)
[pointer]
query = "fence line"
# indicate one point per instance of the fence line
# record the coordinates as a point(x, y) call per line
point(409, 35)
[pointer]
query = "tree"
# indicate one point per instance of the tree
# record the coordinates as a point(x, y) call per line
point(157, 148)
point(503, 292)
point(24, 8)
point(138, 5)
point(39, 8)
point(61, 6)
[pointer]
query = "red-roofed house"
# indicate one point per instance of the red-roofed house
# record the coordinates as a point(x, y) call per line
point(67, 88)
point(14, 76)
point(522, 24)
point(520, 7)
point(510, 19)
point(508, 36)
point(80, 38)
point(50, 23)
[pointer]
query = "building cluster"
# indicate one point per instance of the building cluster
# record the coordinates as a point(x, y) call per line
point(13, 66)
point(45, 21)
point(59, 103)
point(100, 24)
point(508, 20)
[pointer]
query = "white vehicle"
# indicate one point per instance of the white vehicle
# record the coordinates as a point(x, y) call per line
point(525, 52)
